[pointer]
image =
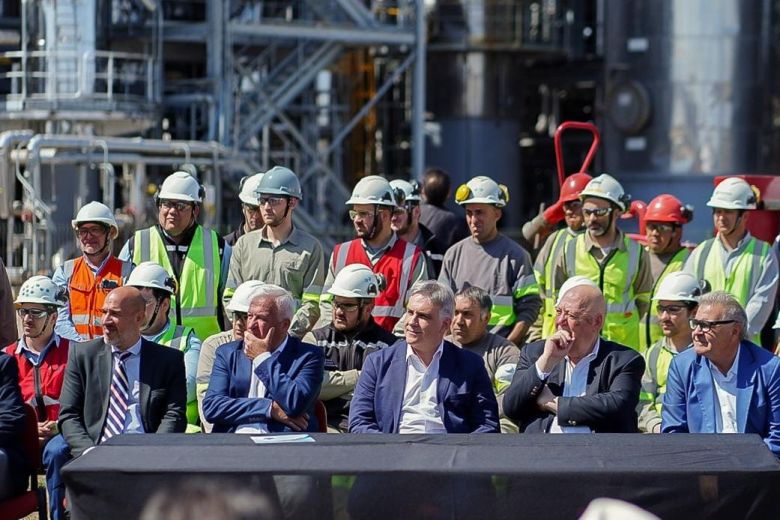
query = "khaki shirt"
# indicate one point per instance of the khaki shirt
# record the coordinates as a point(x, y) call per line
point(297, 264)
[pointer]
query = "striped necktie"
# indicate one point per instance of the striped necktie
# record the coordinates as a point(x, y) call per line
point(118, 399)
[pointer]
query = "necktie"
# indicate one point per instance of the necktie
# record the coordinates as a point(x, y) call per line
point(118, 399)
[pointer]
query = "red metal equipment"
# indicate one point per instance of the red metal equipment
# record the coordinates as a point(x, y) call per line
point(557, 138)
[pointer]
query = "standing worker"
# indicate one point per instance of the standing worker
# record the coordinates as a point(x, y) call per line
point(378, 247)
point(446, 225)
point(90, 277)
point(493, 262)
point(664, 220)
point(249, 209)
point(196, 257)
point(605, 255)
point(280, 253)
point(734, 261)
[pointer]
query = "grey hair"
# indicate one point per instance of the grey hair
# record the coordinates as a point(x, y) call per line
point(479, 296)
point(284, 301)
point(732, 310)
point(438, 293)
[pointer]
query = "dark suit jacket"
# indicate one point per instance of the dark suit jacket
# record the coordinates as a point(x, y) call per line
point(12, 422)
point(609, 403)
point(85, 391)
point(293, 380)
point(467, 403)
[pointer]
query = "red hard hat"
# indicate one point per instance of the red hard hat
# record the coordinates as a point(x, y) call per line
point(573, 185)
point(668, 208)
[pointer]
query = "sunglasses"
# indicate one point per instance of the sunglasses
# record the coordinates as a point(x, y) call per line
point(706, 326)
point(660, 228)
point(273, 201)
point(596, 212)
point(670, 309)
point(35, 313)
point(346, 307)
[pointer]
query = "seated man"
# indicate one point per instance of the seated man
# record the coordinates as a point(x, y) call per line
point(14, 466)
point(470, 331)
point(269, 381)
point(725, 383)
point(348, 339)
point(575, 381)
point(120, 383)
point(424, 384)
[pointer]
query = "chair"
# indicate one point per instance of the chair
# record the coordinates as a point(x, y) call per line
point(322, 416)
point(35, 498)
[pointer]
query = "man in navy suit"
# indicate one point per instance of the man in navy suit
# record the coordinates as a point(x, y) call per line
point(269, 381)
point(424, 384)
point(13, 462)
point(725, 383)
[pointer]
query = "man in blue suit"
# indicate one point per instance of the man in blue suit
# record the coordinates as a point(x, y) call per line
point(269, 381)
point(724, 384)
point(424, 384)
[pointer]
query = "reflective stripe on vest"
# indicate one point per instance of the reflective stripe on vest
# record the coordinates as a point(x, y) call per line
point(199, 279)
point(658, 363)
point(88, 290)
point(649, 329)
point(615, 277)
point(174, 335)
point(560, 240)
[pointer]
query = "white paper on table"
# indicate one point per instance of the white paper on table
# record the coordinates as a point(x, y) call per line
point(273, 439)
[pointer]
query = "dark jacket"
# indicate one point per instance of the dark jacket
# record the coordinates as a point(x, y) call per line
point(609, 403)
point(434, 250)
point(12, 423)
point(231, 238)
point(446, 225)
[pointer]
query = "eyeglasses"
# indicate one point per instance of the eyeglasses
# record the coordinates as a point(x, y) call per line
point(596, 212)
point(97, 231)
point(660, 228)
point(239, 316)
point(361, 215)
point(346, 307)
point(706, 326)
point(670, 309)
point(573, 205)
point(273, 201)
point(175, 204)
point(251, 208)
point(35, 313)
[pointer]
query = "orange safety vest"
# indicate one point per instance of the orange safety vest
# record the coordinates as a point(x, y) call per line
point(396, 265)
point(87, 292)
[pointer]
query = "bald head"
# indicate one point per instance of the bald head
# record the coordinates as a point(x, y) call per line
point(587, 299)
point(128, 298)
point(124, 313)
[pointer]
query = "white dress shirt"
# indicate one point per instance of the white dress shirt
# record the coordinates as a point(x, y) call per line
point(257, 389)
point(420, 408)
point(726, 396)
point(574, 385)
point(133, 422)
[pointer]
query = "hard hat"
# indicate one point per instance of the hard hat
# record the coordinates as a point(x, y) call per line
point(668, 208)
point(571, 283)
point(357, 281)
point(372, 190)
point(40, 289)
point(733, 193)
point(606, 187)
point(280, 181)
point(96, 212)
point(153, 276)
point(573, 186)
point(181, 186)
point(408, 191)
point(242, 297)
point(248, 187)
point(679, 286)
point(482, 190)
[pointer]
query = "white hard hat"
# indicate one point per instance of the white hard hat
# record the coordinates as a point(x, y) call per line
point(733, 193)
point(243, 296)
point(679, 286)
point(571, 283)
point(410, 191)
point(181, 186)
point(152, 275)
point(372, 190)
point(606, 187)
point(357, 281)
point(40, 289)
point(482, 190)
point(95, 212)
point(249, 184)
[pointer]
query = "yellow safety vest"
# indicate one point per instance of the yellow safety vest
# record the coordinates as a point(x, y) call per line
point(658, 361)
point(742, 280)
point(197, 299)
point(615, 277)
point(649, 329)
point(176, 337)
point(547, 289)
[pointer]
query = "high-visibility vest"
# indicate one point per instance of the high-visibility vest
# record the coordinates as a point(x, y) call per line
point(658, 361)
point(41, 384)
point(396, 265)
point(649, 328)
point(615, 277)
point(176, 336)
point(745, 271)
point(547, 290)
point(196, 304)
point(87, 291)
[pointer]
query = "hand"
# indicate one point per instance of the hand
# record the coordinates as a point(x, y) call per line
point(254, 346)
point(556, 348)
point(47, 429)
point(546, 401)
point(297, 424)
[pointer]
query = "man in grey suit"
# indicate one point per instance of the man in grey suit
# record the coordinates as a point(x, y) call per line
point(120, 383)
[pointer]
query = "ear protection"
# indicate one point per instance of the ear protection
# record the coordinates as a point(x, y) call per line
point(687, 213)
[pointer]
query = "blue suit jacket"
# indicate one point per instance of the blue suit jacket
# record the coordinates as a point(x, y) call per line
point(293, 380)
point(467, 403)
point(689, 403)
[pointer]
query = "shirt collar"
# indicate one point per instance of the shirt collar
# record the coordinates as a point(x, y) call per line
point(382, 249)
point(411, 354)
point(741, 244)
point(593, 353)
point(21, 345)
point(280, 348)
point(619, 244)
point(96, 268)
point(293, 237)
point(135, 350)
point(732, 371)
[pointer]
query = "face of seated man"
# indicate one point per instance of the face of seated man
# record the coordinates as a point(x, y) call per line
point(124, 313)
point(350, 314)
point(719, 344)
point(469, 323)
point(581, 314)
point(425, 327)
point(264, 321)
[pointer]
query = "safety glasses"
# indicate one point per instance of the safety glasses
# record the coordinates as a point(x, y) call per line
point(35, 313)
point(596, 212)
